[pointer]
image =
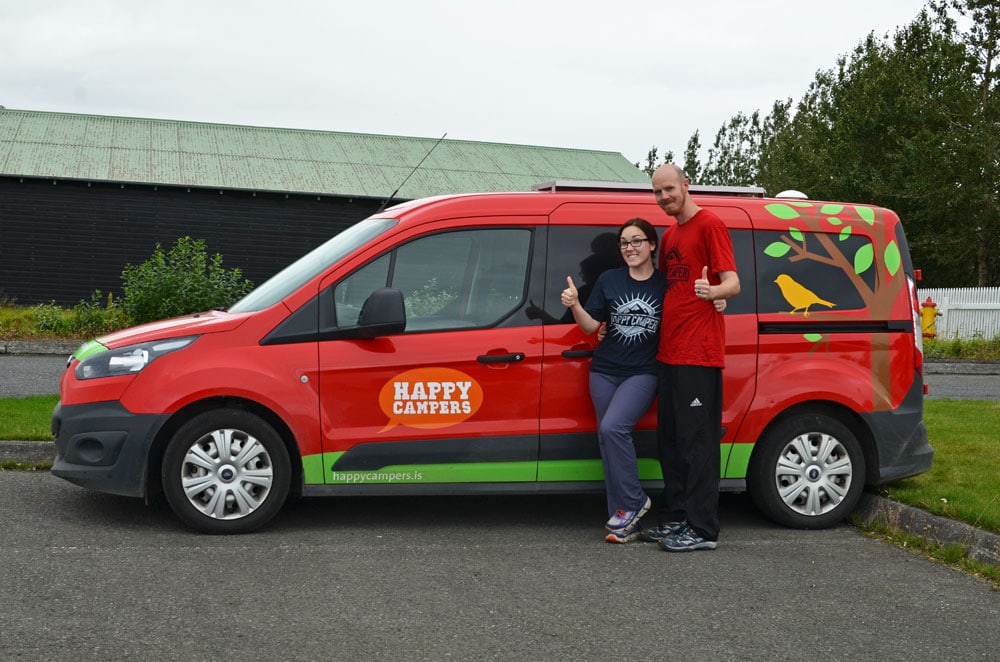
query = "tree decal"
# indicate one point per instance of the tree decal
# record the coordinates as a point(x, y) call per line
point(816, 233)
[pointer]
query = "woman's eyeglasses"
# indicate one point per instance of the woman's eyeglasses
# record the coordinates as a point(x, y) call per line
point(634, 243)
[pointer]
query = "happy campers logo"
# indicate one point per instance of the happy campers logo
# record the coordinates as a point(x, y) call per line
point(429, 398)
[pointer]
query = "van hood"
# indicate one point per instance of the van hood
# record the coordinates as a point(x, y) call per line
point(212, 321)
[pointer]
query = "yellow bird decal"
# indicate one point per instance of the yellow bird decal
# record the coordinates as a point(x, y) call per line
point(801, 298)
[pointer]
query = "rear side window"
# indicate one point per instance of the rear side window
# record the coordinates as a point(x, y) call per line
point(801, 273)
point(452, 280)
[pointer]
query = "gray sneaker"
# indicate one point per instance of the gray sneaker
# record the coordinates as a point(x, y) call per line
point(627, 520)
point(686, 540)
point(660, 531)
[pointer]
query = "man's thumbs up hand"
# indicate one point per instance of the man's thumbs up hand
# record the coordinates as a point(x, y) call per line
point(702, 288)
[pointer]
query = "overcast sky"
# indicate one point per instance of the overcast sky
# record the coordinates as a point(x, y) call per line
point(615, 75)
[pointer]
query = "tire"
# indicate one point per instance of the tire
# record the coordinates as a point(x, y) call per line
point(226, 471)
point(807, 472)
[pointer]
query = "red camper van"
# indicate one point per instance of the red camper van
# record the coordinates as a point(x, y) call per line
point(425, 350)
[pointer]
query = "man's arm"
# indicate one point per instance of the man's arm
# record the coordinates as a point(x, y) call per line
point(728, 288)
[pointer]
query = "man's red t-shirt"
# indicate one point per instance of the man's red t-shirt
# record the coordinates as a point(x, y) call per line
point(693, 332)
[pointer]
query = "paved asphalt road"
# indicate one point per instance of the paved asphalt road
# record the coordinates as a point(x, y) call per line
point(90, 576)
point(31, 374)
point(22, 375)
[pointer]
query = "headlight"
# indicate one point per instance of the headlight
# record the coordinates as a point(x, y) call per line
point(128, 360)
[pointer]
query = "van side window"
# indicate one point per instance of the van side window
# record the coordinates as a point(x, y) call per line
point(746, 301)
point(812, 272)
point(450, 280)
point(582, 252)
point(350, 293)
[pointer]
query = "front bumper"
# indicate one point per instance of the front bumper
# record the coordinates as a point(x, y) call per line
point(102, 446)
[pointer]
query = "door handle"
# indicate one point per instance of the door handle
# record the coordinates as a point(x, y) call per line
point(501, 358)
point(577, 353)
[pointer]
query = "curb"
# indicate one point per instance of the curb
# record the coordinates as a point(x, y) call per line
point(938, 367)
point(980, 545)
point(39, 346)
point(28, 452)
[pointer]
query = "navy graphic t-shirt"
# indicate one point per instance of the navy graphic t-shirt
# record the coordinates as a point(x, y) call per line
point(632, 309)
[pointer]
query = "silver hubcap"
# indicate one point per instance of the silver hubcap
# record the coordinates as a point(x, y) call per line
point(813, 474)
point(227, 474)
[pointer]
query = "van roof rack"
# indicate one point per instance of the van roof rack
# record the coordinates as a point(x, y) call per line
point(570, 185)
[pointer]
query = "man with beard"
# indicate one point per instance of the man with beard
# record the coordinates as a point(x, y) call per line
point(697, 258)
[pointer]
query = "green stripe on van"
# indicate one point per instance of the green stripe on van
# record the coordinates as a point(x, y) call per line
point(317, 470)
point(739, 461)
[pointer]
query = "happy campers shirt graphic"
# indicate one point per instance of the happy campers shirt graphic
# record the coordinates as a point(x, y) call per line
point(634, 319)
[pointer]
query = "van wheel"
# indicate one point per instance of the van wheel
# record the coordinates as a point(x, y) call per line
point(226, 471)
point(807, 472)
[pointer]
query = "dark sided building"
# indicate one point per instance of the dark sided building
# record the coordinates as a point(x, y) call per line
point(61, 240)
point(81, 196)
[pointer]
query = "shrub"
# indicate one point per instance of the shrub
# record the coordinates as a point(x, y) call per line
point(972, 349)
point(51, 319)
point(96, 318)
point(180, 282)
point(428, 300)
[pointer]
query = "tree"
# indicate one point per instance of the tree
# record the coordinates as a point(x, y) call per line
point(651, 160)
point(895, 125)
point(692, 165)
point(733, 157)
point(909, 121)
point(979, 127)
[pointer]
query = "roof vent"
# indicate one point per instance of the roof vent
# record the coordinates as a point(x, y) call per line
point(793, 194)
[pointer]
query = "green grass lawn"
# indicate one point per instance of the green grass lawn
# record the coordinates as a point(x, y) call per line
point(27, 419)
point(963, 484)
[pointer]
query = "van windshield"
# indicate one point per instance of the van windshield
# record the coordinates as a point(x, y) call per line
point(311, 265)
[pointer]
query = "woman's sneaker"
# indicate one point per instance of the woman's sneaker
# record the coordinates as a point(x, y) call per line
point(623, 537)
point(686, 540)
point(660, 531)
point(624, 520)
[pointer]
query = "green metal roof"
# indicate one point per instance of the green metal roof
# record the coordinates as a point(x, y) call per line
point(173, 153)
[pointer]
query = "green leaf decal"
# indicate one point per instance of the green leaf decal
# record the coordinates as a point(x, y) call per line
point(867, 214)
point(845, 233)
point(863, 259)
point(777, 249)
point(813, 337)
point(892, 258)
point(782, 211)
point(800, 204)
point(832, 210)
point(834, 221)
point(796, 233)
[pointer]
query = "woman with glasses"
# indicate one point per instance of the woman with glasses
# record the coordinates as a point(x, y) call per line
point(623, 371)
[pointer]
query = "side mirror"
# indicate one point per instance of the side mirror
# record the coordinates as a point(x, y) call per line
point(383, 314)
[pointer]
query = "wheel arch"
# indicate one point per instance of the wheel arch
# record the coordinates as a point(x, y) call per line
point(154, 465)
point(858, 427)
